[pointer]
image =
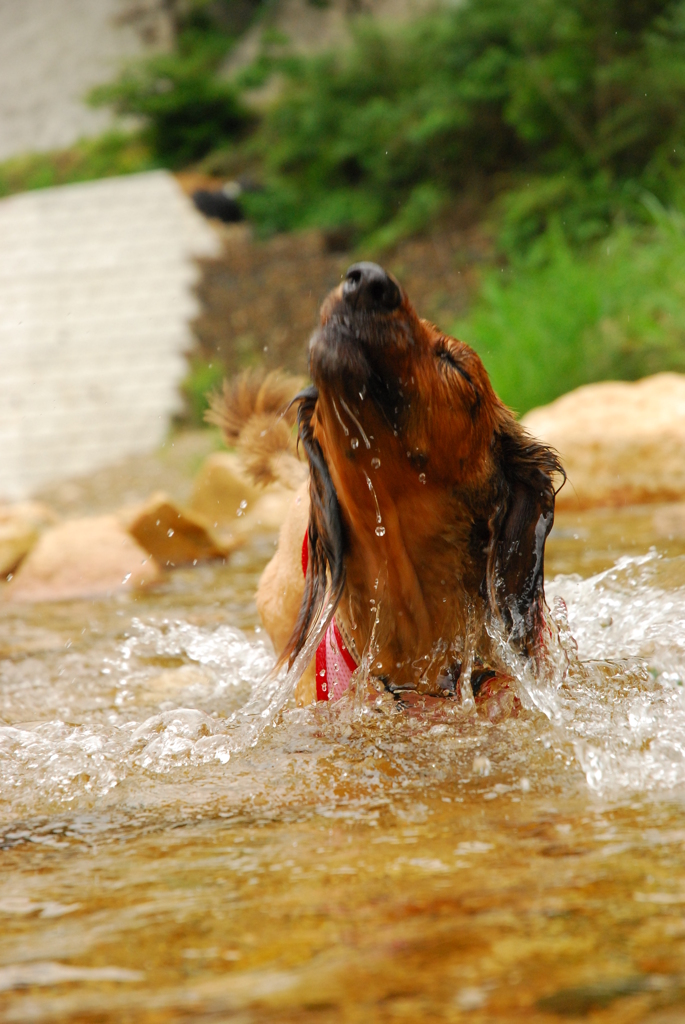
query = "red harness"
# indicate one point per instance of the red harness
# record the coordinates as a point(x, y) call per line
point(334, 663)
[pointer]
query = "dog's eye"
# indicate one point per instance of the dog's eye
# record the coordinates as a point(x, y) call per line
point(446, 356)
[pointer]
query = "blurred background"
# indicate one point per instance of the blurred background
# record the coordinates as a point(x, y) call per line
point(183, 180)
point(181, 183)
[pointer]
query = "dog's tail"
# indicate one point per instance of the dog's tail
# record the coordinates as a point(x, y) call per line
point(256, 417)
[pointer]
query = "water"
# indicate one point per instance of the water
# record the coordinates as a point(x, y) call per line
point(179, 844)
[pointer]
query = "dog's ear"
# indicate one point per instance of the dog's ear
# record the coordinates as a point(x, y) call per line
point(519, 526)
point(325, 571)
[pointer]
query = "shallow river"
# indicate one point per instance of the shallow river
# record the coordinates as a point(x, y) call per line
point(176, 847)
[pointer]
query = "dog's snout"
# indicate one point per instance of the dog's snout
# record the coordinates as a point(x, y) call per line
point(367, 286)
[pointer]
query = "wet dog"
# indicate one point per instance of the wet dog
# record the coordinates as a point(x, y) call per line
point(420, 533)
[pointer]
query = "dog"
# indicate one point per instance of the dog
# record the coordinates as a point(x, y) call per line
point(419, 535)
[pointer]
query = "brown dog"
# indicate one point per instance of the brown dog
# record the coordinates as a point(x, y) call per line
point(427, 510)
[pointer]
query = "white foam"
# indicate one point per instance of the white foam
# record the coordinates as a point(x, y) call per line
point(612, 695)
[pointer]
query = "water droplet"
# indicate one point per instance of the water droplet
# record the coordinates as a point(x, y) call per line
point(356, 422)
point(471, 998)
point(375, 463)
point(422, 478)
point(380, 531)
point(170, 533)
point(126, 578)
point(243, 504)
point(354, 442)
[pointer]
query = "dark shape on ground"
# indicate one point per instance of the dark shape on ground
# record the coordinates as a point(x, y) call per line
point(219, 205)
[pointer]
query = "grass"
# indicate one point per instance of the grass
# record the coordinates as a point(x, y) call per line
point(556, 107)
point(203, 378)
point(615, 311)
point(561, 114)
point(107, 155)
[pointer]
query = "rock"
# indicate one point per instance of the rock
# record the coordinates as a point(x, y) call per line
point(16, 540)
point(83, 558)
point(621, 443)
point(20, 527)
point(268, 512)
point(37, 513)
point(225, 495)
point(221, 488)
point(171, 535)
point(669, 521)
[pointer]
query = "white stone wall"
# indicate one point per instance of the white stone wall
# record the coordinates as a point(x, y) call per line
point(52, 52)
point(95, 298)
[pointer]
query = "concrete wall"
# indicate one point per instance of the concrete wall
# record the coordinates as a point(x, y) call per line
point(95, 297)
point(52, 52)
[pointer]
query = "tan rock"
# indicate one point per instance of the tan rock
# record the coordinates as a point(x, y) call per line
point(37, 513)
point(83, 558)
point(20, 527)
point(173, 536)
point(16, 540)
point(621, 443)
point(268, 513)
point(221, 488)
point(669, 521)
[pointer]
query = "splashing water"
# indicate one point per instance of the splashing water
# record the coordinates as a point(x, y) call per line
point(611, 683)
point(611, 690)
point(623, 703)
point(148, 748)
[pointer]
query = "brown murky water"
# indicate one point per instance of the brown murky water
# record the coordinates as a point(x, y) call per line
point(177, 848)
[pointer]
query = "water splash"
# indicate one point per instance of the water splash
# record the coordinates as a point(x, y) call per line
point(68, 762)
point(623, 702)
point(172, 696)
point(611, 684)
point(356, 422)
point(379, 518)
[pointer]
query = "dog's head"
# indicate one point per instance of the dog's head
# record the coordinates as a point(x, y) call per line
point(405, 436)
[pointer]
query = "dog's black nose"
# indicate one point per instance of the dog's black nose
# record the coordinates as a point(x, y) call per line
point(367, 286)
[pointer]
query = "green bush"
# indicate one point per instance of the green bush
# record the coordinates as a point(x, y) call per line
point(573, 106)
point(617, 312)
point(203, 377)
point(186, 108)
point(110, 154)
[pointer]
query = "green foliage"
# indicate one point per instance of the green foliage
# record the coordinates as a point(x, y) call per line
point(203, 378)
point(579, 105)
point(187, 109)
point(615, 312)
point(113, 153)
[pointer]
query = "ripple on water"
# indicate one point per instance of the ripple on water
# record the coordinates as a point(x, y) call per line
point(169, 696)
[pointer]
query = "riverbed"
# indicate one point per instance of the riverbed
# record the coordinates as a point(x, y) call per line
point(179, 845)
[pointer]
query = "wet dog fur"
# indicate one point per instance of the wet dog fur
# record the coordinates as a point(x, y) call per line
point(427, 505)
